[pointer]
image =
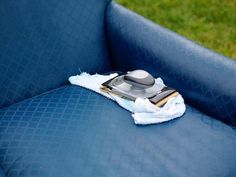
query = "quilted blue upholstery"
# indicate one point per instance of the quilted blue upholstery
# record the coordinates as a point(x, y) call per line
point(45, 42)
point(71, 132)
point(205, 79)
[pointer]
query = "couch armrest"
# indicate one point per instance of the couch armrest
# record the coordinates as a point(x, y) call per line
point(206, 79)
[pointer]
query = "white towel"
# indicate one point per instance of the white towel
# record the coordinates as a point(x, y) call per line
point(143, 111)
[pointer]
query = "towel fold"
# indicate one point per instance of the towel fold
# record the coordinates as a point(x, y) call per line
point(143, 111)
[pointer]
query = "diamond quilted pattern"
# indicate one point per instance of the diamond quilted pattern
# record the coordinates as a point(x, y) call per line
point(74, 132)
point(45, 42)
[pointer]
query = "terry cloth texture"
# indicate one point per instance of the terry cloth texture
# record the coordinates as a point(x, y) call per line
point(143, 111)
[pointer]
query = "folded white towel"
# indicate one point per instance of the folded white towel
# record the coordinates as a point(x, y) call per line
point(143, 111)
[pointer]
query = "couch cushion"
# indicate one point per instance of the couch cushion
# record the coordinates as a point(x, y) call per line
point(45, 42)
point(74, 132)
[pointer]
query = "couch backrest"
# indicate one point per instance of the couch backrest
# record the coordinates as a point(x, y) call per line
point(44, 42)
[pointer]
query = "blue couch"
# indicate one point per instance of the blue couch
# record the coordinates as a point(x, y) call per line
point(49, 128)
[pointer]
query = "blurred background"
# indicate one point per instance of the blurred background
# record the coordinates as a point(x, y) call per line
point(211, 23)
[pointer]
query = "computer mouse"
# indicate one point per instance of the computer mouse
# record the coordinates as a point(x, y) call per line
point(139, 78)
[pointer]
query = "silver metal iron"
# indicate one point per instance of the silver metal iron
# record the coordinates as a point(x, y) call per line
point(137, 84)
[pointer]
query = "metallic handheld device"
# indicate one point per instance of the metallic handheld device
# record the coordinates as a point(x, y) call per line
point(139, 84)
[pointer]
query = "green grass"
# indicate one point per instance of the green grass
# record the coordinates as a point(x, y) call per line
point(211, 23)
